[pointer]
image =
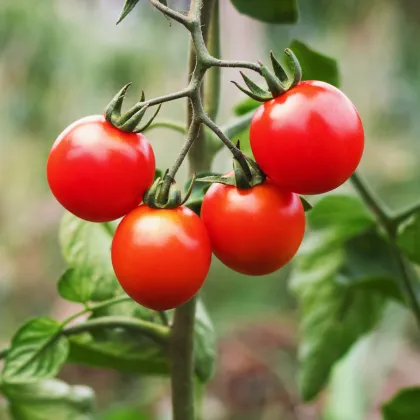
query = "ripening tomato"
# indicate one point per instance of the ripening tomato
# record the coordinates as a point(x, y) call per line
point(253, 231)
point(161, 257)
point(98, 172)
point(308, 140)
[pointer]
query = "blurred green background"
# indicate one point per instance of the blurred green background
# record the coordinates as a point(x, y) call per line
point(63, 59)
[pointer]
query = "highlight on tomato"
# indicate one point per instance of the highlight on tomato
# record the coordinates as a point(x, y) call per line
point(161, 257)
point(98, 172)
point(308, 140)
point(253, 231)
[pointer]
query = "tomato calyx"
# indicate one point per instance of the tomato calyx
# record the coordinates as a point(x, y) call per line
point(158, 197)
point(278, 81)
point(240, 178)
point(128, 122)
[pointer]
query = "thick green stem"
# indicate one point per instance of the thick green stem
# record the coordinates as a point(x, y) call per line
point(211, 95)
point(182, 362)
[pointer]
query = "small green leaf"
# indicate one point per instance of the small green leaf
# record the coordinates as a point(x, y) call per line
point(124, 413)
point(75, 288)
point(306, 204)
point(86, 249)
point(128, 7)
point(37, 352)
point(409, 238)
point(315, 66)
point(405, 405)
point(279, 11)
point(49, 400)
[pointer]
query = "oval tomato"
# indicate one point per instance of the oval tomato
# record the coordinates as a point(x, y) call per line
point(98, 172)
point(308, 140)
point(161, 257)
point(253, 231)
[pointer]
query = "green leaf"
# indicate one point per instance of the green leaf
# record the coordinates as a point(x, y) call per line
point(37, 352)
point(128, 7)
point(409, 238)
point(49, 400)
point(75, 288)
point(279, 11)
point(125, 351)
point(405, 405)
point(341, 250)
point(205, 344)
point(245, 106)
point(316, 66)
point(86, 249)
point(344, 213)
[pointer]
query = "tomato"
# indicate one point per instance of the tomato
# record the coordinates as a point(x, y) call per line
point(98, 172)
point(253, 231)
point(308, 140)
point(161, 257)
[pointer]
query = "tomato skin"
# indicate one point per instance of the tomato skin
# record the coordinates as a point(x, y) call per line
point(253, 231)
point(98, 172)
point(161, 257)
point(309, 140)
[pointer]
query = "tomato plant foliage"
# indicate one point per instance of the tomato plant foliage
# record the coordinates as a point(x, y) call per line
point(354, 260)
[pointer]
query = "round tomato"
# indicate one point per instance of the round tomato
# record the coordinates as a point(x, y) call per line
point(161, 257)
point(308, 140)
point(98, 172)
point(253, 231)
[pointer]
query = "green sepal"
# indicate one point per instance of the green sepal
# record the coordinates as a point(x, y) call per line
point(190, 189)
point(113, 109)
point(296, 67)
point(278, 69)
point(274, 85)
point(130, 125)
point(242, 181)
point(253, 87)
point(258, 98)
point(147, 125)
point(154, 198)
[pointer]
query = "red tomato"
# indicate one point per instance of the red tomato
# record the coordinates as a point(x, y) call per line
point(253, 231)
point(309, 140)
point(98, 172)
point(161, 257)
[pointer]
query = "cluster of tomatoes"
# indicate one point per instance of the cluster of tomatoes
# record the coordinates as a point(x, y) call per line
point(306, 141)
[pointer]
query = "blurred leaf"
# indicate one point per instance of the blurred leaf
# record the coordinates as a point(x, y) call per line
point(123, 413)
point(341, 212)
point(75, 288)
point(86, 249)
point(245, 106)
point(279, 11)
point(405, 405)
point(205, 344)
point(306, 204)
point(37, 352)
point(158, 174)
point(49, 400)
point(409, 238)
point(316, 66)
point(195, 200)
point(343, 250)
point(125, 351)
